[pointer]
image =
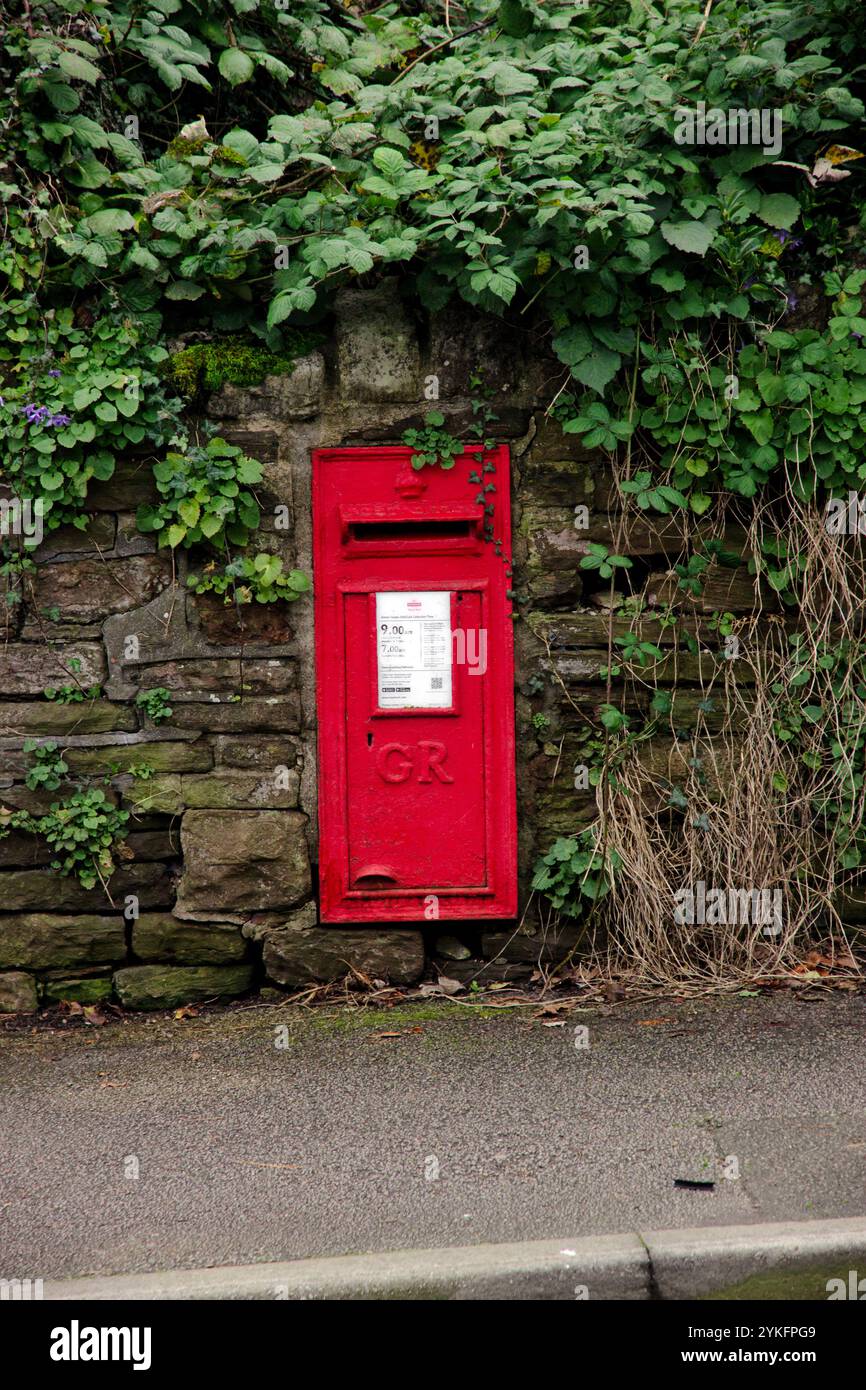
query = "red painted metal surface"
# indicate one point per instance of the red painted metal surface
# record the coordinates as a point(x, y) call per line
point(415, 690)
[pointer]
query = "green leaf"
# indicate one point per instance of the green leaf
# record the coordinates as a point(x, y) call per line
point(672, 280)
point(513, 19)
point(573, 344)
point(779, 210)
point(693, 237)
point(107, 221)
point(391, 162)
point(235, 66)
point(73, 65)
point(184, 289)
point(598, 369)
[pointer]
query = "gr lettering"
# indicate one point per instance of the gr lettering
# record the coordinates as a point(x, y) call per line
point(396, 762)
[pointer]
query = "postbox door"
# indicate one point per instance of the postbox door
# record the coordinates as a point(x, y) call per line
point(416, 784)
point(416, 776)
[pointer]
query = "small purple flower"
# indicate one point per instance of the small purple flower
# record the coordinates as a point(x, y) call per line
point(60, 419)
point(791, 301)
point(54, 372)
point(36, 414)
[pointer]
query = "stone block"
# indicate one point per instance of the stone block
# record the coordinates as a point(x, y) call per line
point(294, 395)
point(98, 537)
point(89, 988)
point(548, 947)
point(243, 861)
point(132, 486)
point(89, 590)
point(274, 713)
point(46, 719)
point(17, 993)
point(226, 790)
point(46, 940)
point(107, 760)
point(378, 358)
point(167, 986)
point(129, 540)
point(485, 972)
point(462, 345)
point(20, 850)
point(33, 890)
point(227, 624)
point(296, 955)
point(148, 845)
point(218, 679)
point(28, 667)
point(261, 754)
point(158, 627)
point(160, 937)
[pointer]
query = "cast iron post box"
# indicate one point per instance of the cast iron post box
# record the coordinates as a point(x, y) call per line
point(414, 676)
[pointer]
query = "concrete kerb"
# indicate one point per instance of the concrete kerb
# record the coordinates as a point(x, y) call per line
point(670, 1265)
point(696, 1263)
point(607, 1266)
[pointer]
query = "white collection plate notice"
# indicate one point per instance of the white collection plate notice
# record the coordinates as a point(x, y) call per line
point(413, 648)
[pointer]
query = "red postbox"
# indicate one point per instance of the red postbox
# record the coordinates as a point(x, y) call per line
point(414, 676)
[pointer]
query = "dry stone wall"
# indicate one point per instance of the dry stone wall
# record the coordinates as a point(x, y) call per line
point(217, 895)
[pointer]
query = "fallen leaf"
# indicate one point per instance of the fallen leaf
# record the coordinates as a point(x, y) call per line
point(186, 1011)
point(450, 986)
point(554, 1008)
point(651, 1022)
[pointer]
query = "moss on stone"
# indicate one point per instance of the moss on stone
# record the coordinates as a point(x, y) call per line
point(360, 1020)
point(80, 989)
point(236, 361)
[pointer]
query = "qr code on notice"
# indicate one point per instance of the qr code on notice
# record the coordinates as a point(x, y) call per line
point(435, 682)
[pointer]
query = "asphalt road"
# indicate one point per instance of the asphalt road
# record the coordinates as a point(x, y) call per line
point(472, 1129)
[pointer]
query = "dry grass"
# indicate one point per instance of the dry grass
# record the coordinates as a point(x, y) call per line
point(753, 818)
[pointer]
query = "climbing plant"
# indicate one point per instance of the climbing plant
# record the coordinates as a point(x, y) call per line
point(219, 170)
